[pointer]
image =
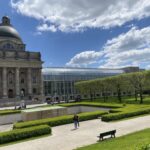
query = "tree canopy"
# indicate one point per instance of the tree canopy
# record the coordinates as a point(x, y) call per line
point(135, 83)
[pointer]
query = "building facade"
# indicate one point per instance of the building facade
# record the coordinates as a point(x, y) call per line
point(20, 70)
point(59, 82)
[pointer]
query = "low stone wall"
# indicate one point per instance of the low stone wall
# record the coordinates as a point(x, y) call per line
point(38, 113)
point(80, 109)
point(11, 118)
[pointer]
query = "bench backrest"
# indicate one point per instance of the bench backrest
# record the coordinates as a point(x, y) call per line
point(108, 133)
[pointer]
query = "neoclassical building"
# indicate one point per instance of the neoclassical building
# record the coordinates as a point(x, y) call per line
point(20, 70)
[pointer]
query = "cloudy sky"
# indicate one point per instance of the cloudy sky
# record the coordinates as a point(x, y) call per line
point(84, 33)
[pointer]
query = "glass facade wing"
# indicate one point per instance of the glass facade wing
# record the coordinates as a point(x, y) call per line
point(60, 81)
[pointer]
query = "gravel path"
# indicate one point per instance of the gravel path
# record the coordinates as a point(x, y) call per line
point(66, 138)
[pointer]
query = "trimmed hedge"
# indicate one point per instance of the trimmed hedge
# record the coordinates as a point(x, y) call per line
point(114, 111)
point(122, 115)
point(20, 134)
point(9, 111)
point(105, 105)
point(59, 120)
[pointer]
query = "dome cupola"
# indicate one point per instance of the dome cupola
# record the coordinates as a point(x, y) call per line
point(7, 30)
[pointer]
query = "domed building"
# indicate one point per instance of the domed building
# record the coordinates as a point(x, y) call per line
point(20, 70)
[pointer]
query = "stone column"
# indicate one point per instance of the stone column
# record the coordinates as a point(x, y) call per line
point(29, 80)
point(17, 80)
point(4, 77)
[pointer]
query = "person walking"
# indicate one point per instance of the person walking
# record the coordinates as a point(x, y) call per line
point(76, 121)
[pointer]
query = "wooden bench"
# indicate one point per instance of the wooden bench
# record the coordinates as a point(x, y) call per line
point(102, 135)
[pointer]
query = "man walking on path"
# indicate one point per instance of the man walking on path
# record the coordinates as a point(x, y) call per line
point(76, 121)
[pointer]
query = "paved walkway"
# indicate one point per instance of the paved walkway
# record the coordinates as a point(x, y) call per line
point(34, 105)
point(28, 106)
point(6, 127)
point(65, 138)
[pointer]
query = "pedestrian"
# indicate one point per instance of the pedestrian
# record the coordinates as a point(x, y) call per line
point(76, 121)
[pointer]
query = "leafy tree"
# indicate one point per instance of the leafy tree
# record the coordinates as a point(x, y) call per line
point(138, 81)
point(117, 85)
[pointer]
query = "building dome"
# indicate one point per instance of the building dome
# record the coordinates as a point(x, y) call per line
point(7, 30)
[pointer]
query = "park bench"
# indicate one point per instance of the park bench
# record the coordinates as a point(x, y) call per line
point(102, 135)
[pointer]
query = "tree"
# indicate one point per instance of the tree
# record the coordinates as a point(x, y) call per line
point(117, 83)
point(104, 87)
point(138, 81)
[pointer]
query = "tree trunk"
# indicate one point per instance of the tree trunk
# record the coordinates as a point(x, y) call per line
point(119, 94)
point(135, 94)
point(91, 95)
point(141, 94)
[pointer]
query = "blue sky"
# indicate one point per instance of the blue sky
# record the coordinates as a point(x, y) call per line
point(84, 33)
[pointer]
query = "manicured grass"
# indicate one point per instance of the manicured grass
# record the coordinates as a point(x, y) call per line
point(132, 141)
point(125, 99)
point(129, 110)
point(118, 112)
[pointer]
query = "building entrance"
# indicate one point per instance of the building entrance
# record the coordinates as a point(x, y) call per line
point(10, 93)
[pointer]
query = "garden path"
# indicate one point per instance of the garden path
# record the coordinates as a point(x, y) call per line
point(66, 138)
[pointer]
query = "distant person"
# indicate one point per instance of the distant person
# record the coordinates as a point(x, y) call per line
point(76, 121)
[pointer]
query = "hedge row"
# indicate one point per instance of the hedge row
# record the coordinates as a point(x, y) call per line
point(114, 111)
point(20, 134)
point(122, 115)
point(8, 112)
point(92, 104)
point(59, 120)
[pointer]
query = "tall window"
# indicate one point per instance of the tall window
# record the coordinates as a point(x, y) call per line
point(34, 79)
point(22, 76)
point(22, 81)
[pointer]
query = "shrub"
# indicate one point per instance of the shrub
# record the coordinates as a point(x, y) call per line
point(20, 134)
point(10, 111)
point(60, 120)
point(114, 111)
point(122, 115)
point(105, 105)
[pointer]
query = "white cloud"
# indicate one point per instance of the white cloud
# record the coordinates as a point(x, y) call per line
point(128, 49)
point(131, 48)
point(77, 15)
point(84, 59)
point(45, 27)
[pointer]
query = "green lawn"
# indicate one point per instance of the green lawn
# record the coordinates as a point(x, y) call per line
point(132, 141)
point(125, 99)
